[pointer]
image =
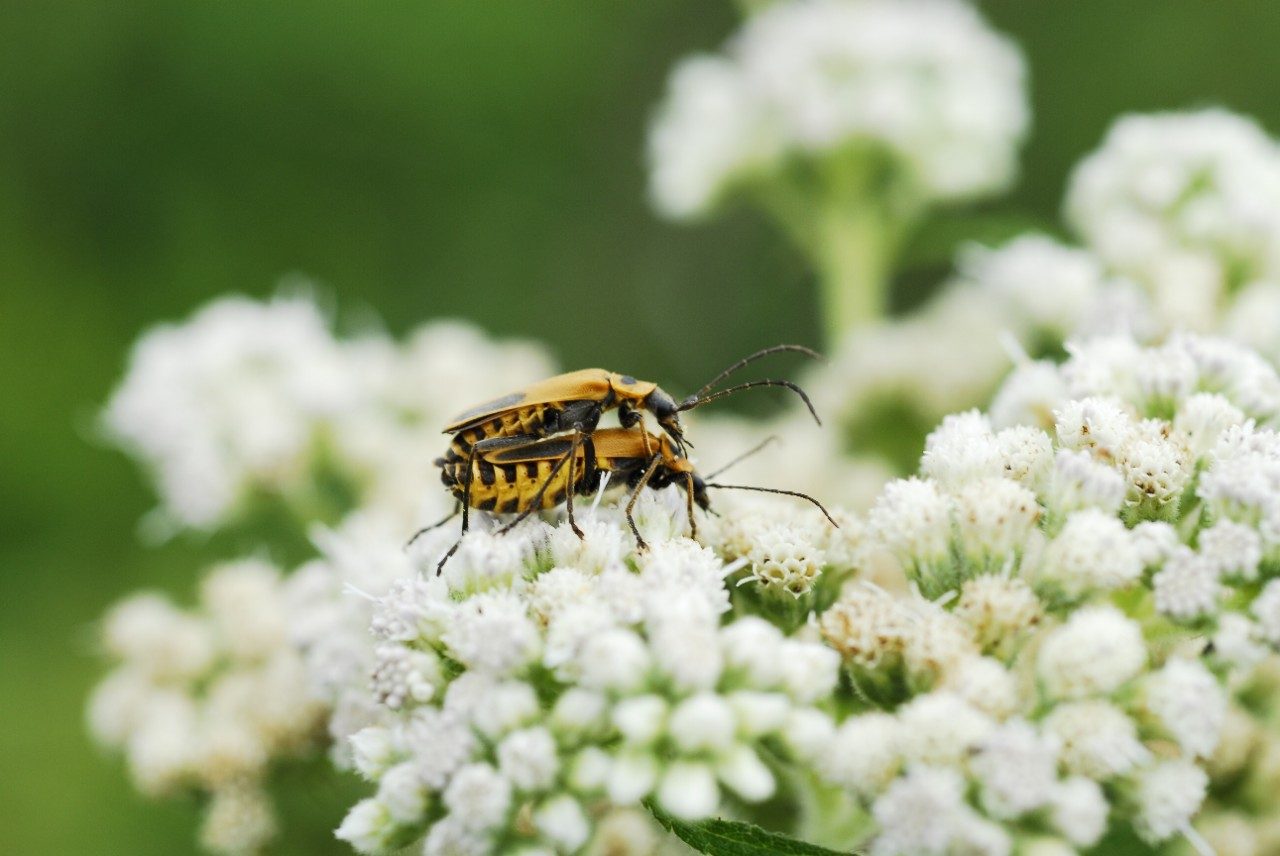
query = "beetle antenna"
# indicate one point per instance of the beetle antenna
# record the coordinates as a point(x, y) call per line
point(776, 349)
point(691, 402)
point(795, 493)
point(772, 438)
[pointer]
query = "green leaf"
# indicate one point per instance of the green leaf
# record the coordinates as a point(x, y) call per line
point(734, 838)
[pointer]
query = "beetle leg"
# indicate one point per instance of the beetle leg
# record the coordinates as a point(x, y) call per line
point(635, 494)
point(688, 496)
point(466, 514)
point(436, 525)
point(571, 490)
point(536, 503)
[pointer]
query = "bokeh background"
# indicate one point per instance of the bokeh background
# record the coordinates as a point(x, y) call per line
point(413, 159)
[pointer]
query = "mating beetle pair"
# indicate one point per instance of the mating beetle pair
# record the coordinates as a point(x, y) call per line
point(504, 458)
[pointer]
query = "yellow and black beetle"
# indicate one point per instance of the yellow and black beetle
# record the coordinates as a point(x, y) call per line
point(575, 402)
point(525, 477)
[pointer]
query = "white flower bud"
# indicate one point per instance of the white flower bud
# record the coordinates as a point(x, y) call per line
point(1155, 463)
point(614, 660)
point(1027, 455)
point(1187, 700)
point(1187, 586)
point(961, 450)
point(562, 820)
point(492, 632)
point(641, 719)
point(367, 827)
point(1097, 424)
point(786, 557)
point(632, 775)
point(1202, 418)
point(154, 636)
point(1154, 541)
point(745, 774)
point(808, 733)
point(703, 721)
point(759, 713)
point(688, 790)
point(1093, 551)
point(590, 769)
point(993, 518)
point(239, 819)
point(866, 625)
point(579, 711)
point(1237, 641)
point(529, 759)
point(403, 794)
point(998, 609)
point(1017, 767)
point(940, 728)
point(920, 812)
point(404, 675)
point(1079, 811)
point(913, 519)
point(1168, 795)
point(984, 683)
point(478, 797)
point(374, 751)
point(863, 756)
point(1079, 481)
point(1233, 549)
point(1097, 739)
point(1029, 396)
point(750, 646)
point(810, 671)
point(506, 706)
point(1096, 651)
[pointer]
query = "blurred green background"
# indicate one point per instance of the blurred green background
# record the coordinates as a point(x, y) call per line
point(415, 159)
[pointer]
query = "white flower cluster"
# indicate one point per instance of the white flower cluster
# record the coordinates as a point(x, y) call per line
point(542, 677)
point(208, 699)
point(1019, 691)
point(925, 84)
point(970, 759)
point(1188, 204)
point(1182, 433)
point(1180, 218)
point(250, 398)
point(899, 377)
point(331, 601)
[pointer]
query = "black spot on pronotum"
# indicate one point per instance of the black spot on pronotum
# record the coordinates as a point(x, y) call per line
point(628, 380)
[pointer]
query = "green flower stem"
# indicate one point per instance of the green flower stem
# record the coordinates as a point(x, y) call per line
point(854, 251)
point(849, 213)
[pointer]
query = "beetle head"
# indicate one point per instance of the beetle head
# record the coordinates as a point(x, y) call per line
point(664, 409)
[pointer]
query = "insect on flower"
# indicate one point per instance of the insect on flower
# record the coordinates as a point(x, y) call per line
point(532, 475)
point(575, 402)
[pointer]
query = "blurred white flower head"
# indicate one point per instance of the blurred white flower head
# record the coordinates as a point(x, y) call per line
point(1188, 204)
point(209, 699)
point(250, 397)
point(925, 84)
point(230, 401)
